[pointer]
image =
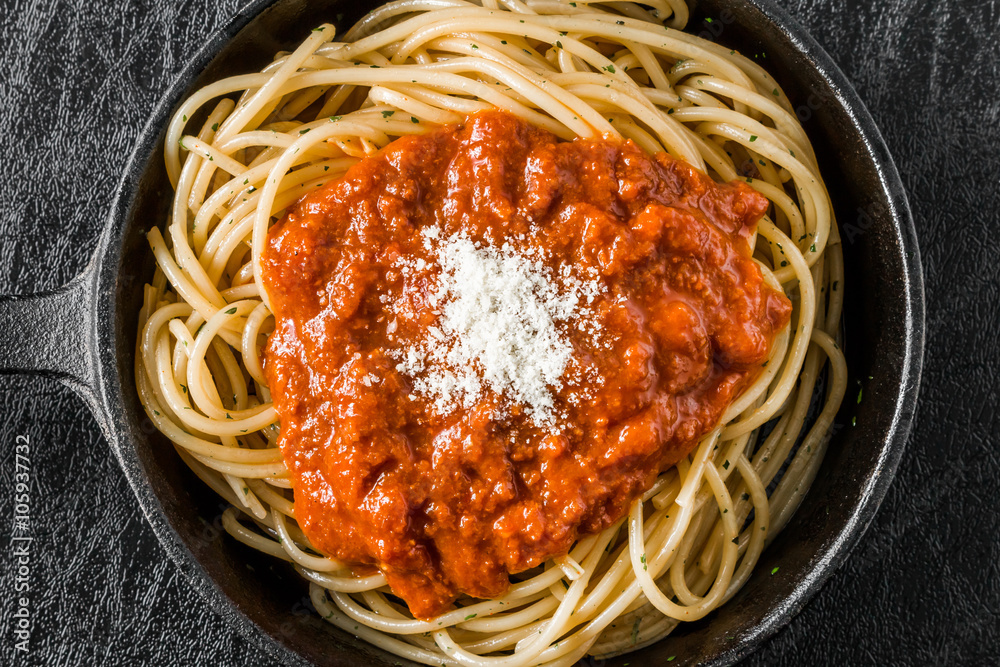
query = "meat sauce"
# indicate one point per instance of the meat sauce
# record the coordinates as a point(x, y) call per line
point(449, 502)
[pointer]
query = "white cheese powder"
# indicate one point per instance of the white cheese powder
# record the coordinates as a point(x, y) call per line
point(498, 328)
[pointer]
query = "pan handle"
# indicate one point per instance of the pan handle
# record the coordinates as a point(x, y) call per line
point(50, 334)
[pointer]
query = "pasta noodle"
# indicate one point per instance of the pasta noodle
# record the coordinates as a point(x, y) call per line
point(242, 150)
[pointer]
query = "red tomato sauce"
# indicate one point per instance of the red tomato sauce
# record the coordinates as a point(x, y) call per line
point(454, 503)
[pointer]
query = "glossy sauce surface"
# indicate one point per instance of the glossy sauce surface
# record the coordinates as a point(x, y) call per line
point(450, 501)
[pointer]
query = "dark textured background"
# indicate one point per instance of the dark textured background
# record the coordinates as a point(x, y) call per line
point(78, 79)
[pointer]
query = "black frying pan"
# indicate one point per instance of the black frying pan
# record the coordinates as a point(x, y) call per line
point(85, 334)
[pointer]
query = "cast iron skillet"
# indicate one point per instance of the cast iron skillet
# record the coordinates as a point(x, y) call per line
point(85, 335)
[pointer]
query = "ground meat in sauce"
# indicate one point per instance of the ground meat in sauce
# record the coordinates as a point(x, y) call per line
point(453, 503)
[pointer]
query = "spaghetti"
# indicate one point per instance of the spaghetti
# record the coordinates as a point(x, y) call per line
point(576, 70)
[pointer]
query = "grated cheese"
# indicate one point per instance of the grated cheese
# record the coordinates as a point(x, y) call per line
point(498, 328)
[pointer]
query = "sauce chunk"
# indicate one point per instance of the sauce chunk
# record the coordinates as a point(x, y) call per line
point(621, 283)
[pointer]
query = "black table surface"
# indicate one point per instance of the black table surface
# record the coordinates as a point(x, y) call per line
point(78, 79)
